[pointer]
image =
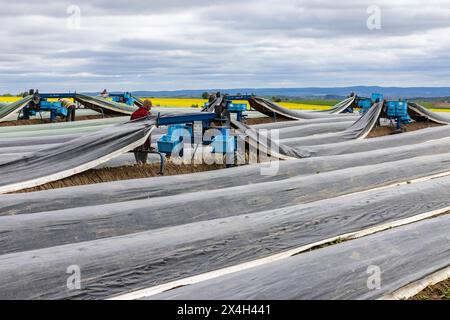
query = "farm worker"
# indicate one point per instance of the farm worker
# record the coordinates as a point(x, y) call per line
point(70, 106)
point(141, 153)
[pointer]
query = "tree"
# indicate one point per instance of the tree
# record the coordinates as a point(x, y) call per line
point(276, 99)
point(205, 95)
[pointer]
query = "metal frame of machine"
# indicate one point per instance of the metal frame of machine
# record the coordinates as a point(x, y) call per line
point(41, 103)
point(223, 143)
point(393, 110)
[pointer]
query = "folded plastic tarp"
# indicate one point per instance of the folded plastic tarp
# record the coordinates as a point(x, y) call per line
point(120, 264)
point(399, 257)
point(341, 106)
point(9, 109)
point(359, 130)
point(264, 143)
point(418, 112)
point(274, 110)
point(286, 147)
point(80, 154)
point(104, 105)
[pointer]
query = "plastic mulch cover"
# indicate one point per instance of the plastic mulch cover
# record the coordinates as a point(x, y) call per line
point(114, 192)
point(399, 256)
point(119, 264)
point(417, 111)
point(304, 130)
point(133, 234)
point(272, 109)
point(293, 147)
point(80, 154)
point(359, 130)
point(7, 110)
point(361, 145)
point(31, 231)
point(106, 106)
point(340, 106)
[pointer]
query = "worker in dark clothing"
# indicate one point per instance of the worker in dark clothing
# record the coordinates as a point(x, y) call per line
point(141, 153)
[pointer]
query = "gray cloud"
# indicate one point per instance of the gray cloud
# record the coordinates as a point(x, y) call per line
point(198, 44)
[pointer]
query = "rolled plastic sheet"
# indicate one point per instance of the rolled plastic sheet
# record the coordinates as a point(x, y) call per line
point(366, 268)
point(34, 231)
point(359, 130)
point(106, 106)
point(418, 112)
point(7, 110)
point(341, 106)
point(274, 110)
point(83, 153)
point(116, 265)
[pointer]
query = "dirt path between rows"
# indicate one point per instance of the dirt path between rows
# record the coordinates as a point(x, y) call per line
point(388, 130)
point(440, 291)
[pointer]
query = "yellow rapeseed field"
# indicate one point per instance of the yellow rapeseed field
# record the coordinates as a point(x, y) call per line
point(185, 102)
point(8, 99)
point(190, 102)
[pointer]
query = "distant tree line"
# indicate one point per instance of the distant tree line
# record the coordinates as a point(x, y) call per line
point(21, 94)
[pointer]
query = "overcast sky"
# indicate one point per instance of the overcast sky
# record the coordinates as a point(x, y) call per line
point(196, 44)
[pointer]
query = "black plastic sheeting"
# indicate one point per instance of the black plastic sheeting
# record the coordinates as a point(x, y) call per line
point(341, 106)
point(305, 130)
point(122, 240)
point(7, 109)
point(418, 112)
point(104, 105)
point(359, 130)
point(35, 140)
point(352, 146)
point(100, 104)
point(403, 255)
point(128, 190)
point(80, 154)
point(117, 265)
point(265, 143)
point(274, 110)
point(39, 230)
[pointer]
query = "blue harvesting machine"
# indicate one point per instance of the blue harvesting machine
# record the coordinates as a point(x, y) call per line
point(40, 103)
point(194, 125)
point(393, 110)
